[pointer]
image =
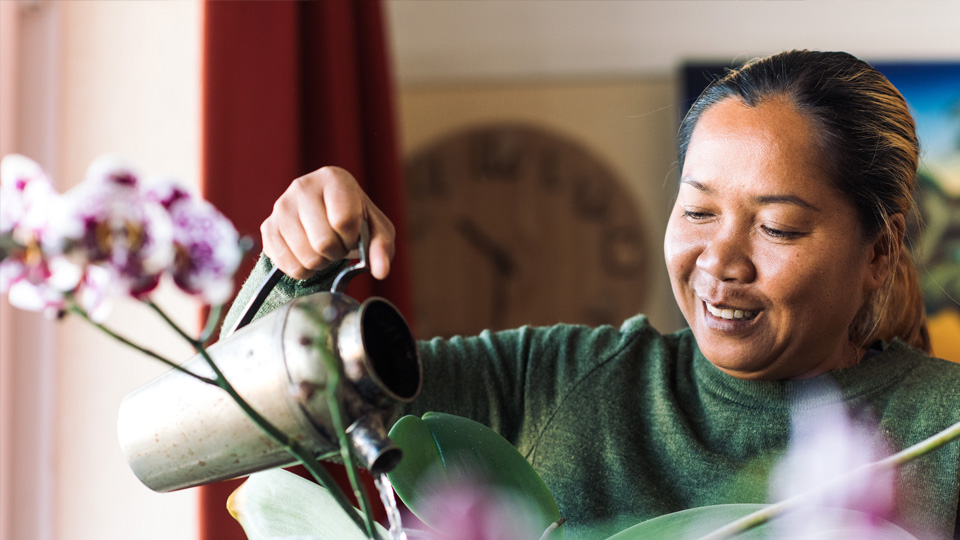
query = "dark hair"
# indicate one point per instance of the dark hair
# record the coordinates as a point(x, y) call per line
point(871, 153)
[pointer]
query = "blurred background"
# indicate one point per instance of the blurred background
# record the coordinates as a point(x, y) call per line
point(529, 149)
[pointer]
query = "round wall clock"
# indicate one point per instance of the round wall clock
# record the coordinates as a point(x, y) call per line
point(512, 225)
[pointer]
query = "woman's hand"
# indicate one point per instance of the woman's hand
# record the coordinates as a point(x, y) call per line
point(317, 221)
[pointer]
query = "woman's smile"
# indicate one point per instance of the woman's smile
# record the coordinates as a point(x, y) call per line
point(729, 313)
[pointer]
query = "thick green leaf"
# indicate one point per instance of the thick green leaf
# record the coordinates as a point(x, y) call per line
point(277, 504)
point(442, 447)
point(837, 524)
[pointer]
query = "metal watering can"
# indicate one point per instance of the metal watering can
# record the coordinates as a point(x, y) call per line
point(178, 432)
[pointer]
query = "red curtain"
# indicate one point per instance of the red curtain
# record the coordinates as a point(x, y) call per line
point(287, 88)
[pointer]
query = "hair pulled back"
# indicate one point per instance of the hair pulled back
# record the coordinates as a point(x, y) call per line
point(870, 153)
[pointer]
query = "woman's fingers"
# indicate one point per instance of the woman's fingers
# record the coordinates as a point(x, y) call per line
point(275, 246)
point(317, 220)
point(343, 203)
point(382, 246)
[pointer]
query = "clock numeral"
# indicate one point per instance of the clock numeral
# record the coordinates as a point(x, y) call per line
point(591, 197)
point(497, 155)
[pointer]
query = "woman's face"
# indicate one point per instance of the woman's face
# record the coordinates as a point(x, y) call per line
point(766, 258)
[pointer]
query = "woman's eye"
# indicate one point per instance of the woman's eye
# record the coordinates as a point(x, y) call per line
point(780, 233)
point(694, 215)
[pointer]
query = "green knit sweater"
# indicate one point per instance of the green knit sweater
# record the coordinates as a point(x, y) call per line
point(625, 424)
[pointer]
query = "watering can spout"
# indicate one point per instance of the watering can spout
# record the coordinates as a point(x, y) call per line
point(368, 437)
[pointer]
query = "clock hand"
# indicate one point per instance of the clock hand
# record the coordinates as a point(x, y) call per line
point(502, 262)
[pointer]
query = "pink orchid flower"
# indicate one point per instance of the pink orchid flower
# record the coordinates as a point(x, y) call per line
point(207, 245)
point(470, 509)
point(119, 228)
point(35, 277)
point(827, 442)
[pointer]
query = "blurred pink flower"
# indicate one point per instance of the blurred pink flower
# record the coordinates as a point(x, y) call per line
point(469, 509)
point(826, 443)
point(108, 235)
point(34, 277)
point(207, 245)
point(119, 228)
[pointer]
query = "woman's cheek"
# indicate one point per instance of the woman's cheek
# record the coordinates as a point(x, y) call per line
point(681, 247)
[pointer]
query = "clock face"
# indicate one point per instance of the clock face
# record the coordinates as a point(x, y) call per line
point(512, 225)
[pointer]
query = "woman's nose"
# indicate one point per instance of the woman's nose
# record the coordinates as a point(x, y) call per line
point(726, 256)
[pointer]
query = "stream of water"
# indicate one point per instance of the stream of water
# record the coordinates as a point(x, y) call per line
point(390, 504)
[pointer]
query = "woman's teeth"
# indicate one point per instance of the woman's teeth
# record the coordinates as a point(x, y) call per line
point(729, 313)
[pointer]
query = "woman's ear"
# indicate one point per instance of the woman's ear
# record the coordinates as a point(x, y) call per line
point(885, 252)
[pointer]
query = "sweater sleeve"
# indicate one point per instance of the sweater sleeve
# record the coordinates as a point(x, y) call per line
point(286, 290)
point(513, 381)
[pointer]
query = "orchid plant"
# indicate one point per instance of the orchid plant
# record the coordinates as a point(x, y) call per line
point(117, 235)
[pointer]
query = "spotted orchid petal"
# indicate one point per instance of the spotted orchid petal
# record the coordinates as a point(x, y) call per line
point(207, 245)
point(27, 200)
point(39, 286)
point(167, 192)
point(112, 170)
point(23, 184)
point(97, 292)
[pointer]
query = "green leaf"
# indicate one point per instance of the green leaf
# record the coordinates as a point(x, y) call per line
point(278, 504)
point(443, 447)
point(835, 523)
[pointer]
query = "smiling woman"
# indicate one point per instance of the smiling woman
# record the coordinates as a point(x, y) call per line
point(759, 228)
point(785, 252)
point(853, 128)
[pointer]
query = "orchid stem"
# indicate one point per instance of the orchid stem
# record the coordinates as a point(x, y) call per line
point(334, 372)
point(79, 311)
point(294, 448)
point(769, 512)
point(212, 319)
point(923, 447)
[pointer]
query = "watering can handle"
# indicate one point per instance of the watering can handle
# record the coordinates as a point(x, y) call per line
point(348, 273)
point(339, 283)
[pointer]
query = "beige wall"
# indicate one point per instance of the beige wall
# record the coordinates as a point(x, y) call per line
point(97, 77)
point(506, 40)
point(629, 124)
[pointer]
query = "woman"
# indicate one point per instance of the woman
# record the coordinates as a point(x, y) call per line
point(785, 252)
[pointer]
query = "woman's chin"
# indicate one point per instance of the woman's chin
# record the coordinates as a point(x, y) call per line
point(744, 371)
point(748, 363)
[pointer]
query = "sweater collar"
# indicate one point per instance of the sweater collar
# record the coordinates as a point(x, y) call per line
point(882, 368)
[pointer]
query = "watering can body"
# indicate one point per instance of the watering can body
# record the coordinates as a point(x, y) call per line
point(178, 432)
